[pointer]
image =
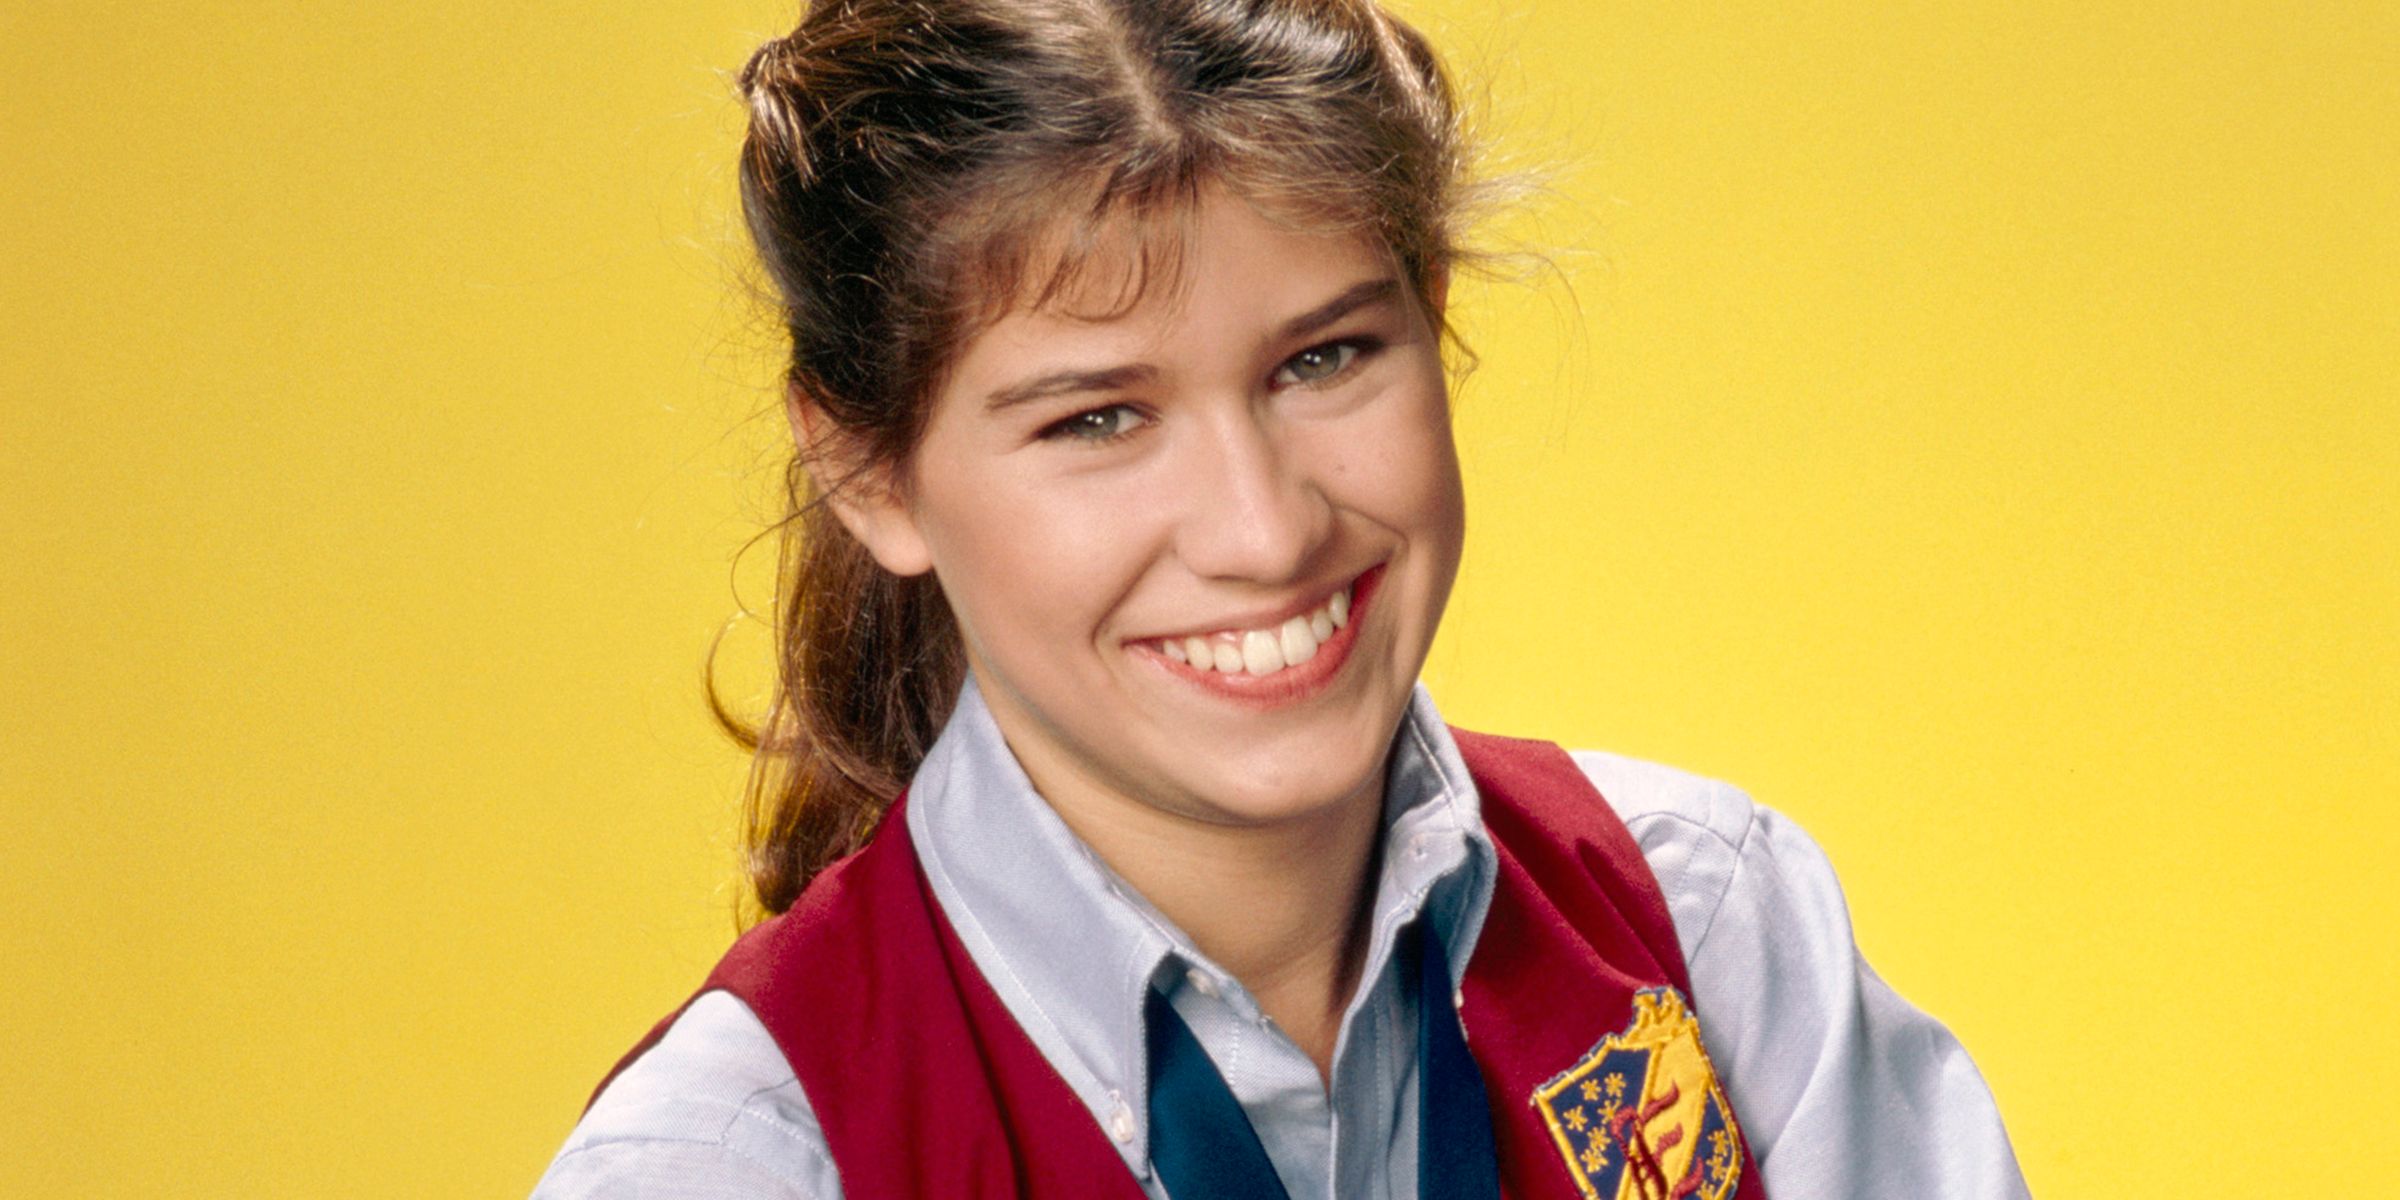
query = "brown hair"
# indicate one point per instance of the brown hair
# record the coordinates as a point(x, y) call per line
point(906, 160)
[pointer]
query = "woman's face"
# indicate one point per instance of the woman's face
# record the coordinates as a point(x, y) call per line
point(1197, 551)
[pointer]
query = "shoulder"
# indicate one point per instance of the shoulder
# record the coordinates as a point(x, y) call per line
point(1693, 831)
point(711, 1110)
point(1668, 802)
point(1751, 894)
point(1844, 1088)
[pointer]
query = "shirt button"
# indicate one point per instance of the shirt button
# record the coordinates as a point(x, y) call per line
point(1201, 983)
point(1120, 1124)
point(1418, 847)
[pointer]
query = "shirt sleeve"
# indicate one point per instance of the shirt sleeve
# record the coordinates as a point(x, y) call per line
point(712, 1112)
point(659, 1169)
point(1844, 1090)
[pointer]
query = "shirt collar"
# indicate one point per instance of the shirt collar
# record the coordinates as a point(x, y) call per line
point(1015, 882)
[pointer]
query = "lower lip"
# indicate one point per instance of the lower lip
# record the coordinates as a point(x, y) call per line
point(1291, 684)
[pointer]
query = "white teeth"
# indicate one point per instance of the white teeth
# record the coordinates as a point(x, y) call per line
point(1227, 657)
point(1296, 641)
point(1261, 653)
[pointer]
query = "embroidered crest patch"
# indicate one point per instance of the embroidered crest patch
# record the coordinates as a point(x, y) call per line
point(1642, 1116)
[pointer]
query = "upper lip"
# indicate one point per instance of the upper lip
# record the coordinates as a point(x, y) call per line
point(1261, 618)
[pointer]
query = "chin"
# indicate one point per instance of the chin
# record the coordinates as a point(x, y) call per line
point(1307, 774)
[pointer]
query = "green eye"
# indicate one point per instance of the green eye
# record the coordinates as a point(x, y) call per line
point(1096, 425)
point(1319, 363)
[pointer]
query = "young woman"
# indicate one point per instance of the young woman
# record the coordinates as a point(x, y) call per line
point(1125, 511)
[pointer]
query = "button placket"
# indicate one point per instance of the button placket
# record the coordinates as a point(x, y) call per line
point(1120, 1119)
point(1201, 983)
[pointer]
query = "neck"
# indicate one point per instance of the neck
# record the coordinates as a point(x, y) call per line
point(1284, 907)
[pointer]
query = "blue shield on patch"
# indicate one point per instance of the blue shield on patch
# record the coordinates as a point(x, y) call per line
point(1641, 1116)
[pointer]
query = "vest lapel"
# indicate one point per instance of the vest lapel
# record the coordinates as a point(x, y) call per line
point(1573, 1002)
point(923, 1083)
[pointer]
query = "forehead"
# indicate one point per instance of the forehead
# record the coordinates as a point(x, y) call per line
point(1201, 272)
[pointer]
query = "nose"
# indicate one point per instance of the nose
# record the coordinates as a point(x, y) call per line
point(1253, 510)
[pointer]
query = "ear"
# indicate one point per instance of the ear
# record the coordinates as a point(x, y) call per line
point(867, 498)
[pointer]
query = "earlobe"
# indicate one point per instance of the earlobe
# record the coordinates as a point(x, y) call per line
point(865, 497)
point(880, 519)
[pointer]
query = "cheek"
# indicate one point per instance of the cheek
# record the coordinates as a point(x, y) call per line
point(1410, 476)
point(1444, 493)
point(1029, 565)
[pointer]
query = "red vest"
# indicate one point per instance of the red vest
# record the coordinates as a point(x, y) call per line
point(1573, 1005)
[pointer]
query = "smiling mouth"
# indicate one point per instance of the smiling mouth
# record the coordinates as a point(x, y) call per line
point(1264, 651)
point(1272, 664)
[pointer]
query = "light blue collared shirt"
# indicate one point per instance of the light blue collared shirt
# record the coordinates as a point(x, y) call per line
point(1046, 921)
point(1843, 1089)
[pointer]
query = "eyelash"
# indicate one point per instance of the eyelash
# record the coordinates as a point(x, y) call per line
point(1066, 430)
point(1361, 348)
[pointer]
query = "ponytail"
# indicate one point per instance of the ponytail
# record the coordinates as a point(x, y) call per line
point(868, 665)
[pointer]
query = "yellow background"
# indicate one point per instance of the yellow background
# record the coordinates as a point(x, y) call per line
point(1972, 431)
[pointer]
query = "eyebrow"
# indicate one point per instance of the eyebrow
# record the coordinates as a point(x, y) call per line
point(1060, 383)
point(1357, 296)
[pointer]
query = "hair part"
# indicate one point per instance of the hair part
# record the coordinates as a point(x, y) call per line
point(916, 169)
